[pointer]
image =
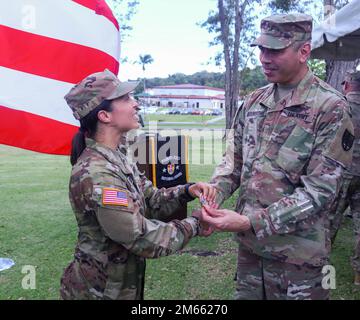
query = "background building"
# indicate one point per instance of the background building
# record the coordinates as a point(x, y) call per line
point(185, 96)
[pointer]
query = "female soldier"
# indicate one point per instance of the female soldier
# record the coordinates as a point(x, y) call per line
point(112, 201)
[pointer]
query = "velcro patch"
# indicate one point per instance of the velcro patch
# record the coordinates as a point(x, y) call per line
point(115, 197)
point(299, 115)
point(347, 140)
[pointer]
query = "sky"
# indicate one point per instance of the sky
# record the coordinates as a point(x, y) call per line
point(168, 31)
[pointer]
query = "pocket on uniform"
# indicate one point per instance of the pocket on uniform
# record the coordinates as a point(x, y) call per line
point(294, 152)
point(251, 134)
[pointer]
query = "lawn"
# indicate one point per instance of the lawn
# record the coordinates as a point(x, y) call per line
point(170, 121)
point(37, 228)
point(177, 118)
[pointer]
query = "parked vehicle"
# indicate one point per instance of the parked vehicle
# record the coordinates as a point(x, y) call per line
point(174, 111)
point(149, 110)
point(216, 112)
point(162, 111)
point(186, 111)
point(195, 112)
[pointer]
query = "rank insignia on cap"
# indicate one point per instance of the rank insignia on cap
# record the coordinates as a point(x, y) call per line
point(115, 197)
point(347, 140)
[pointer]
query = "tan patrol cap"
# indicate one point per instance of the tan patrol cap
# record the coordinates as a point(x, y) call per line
point(279, 31)
point(94, 89)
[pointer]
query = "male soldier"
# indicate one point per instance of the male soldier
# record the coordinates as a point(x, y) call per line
point(351, 88)
point(291, 141)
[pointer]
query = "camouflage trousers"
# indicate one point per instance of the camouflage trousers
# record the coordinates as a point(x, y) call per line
point(74, 284)
point(351, 200)
point(264, 279)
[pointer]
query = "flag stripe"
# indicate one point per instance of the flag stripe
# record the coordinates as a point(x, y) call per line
point(99, 9)
point(35, 94)
point(26, 52)
point(41, 134)
point(47, 47)
point(64, 20)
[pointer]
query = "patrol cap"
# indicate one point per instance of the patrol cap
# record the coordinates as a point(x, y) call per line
point(352, 76)
point(94, 89)
point(279, 31)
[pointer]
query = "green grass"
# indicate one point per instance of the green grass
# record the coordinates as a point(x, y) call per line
point(37, 227)
point(178, 118)
point(162, 122)
point(37, 224)
point(340, 259)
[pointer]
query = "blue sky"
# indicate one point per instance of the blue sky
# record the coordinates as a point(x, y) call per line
point(167, 30)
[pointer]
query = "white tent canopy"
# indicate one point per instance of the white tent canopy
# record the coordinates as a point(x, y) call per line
point(338, 37)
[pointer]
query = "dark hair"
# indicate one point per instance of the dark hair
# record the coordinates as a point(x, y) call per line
point(299, 43)
point(88, 127)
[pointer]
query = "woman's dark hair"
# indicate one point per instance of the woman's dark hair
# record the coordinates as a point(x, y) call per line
point(88, 126)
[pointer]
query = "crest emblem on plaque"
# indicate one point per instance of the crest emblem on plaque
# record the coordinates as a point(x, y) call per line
point(170, 168)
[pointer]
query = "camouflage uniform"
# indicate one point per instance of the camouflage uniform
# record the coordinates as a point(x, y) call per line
point(354, 189)
point(116, 207)
point(287, 158)
point(352, 196)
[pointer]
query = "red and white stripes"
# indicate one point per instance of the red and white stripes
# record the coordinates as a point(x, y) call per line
point(47, 47)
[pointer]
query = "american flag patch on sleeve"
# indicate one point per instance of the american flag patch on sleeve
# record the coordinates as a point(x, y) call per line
point(115, 197)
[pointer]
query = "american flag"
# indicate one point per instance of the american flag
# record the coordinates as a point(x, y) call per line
point(47, 47)
point(115, 197)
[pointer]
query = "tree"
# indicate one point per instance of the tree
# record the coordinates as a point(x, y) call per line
point(286, 6)
point(335, 70)
point(251, 80)
point(318, 67)
point(124, 10)
point(145, 60)
point(233, 20)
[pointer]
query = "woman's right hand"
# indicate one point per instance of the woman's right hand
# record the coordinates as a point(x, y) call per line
point(205, 229)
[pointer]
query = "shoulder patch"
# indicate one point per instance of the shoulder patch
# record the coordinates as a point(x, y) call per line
point(347, 140)
point(115, 197)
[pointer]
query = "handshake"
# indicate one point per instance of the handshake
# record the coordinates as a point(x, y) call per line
point(213, 219)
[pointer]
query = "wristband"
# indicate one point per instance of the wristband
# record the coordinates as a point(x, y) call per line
point(187, 190)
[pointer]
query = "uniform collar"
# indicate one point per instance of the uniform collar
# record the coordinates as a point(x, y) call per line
point(298, 96)
point(109, 154)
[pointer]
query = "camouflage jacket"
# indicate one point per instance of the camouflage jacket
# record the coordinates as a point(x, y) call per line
point(287, 159)
point(353, 99)
point(352, 175)
point(115, 207)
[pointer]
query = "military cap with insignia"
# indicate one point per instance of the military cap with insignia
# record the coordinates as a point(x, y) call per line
point(94, 89)
point(279, 31)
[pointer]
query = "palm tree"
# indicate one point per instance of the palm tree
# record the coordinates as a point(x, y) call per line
point(145, 60)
